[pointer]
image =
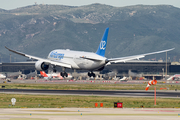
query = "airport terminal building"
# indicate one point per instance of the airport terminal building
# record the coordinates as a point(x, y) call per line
point(145, 67)
point(24, 67)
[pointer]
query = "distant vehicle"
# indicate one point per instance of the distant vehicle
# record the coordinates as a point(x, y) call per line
point(174, 77)
point(53, 76)
point(80, 60)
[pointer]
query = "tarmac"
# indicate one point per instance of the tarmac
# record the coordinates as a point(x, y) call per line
point(90, 113)
point(43, 81)
point(110, 93)
point(87, 113)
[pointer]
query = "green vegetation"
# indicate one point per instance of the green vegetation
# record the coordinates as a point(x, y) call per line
point(54, 101)
point(25, 119)
point(133, 29)
point(90, 86)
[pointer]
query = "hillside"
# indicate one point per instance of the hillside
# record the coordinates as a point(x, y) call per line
point(38, 29)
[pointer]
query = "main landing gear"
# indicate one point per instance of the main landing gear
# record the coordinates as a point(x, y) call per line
point(90, 74)
point(54, 68)
point(64, 74)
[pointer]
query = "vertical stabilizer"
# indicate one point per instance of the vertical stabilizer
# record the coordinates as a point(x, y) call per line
point(43, 74)
point(102, 46)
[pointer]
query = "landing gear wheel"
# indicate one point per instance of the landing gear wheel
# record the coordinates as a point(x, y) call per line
point(64, 74)
point(54, 70)
point(91, 74)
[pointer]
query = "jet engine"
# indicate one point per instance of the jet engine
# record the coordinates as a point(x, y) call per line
point(41, 66)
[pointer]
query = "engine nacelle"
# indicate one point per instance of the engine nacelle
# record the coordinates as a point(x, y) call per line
point(41, 66)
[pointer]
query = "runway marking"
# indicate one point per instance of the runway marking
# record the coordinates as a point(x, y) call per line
point(19, 118)
point(135, 93)
point(139, 94)
point(46, 114)
point(161, 110)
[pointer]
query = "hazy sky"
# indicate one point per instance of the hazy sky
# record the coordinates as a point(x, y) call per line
point(12, 4)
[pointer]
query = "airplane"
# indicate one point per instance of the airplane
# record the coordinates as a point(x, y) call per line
point(174, 77)
point(7, 76)
point(2, 76)
point(50, 76)
point(80, 60)
point(53, 76)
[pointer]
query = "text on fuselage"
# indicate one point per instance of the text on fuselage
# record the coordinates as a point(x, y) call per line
point(56, 55)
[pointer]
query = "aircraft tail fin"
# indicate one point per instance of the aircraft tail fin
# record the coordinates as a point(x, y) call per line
point(102, 46)
point(43, 74)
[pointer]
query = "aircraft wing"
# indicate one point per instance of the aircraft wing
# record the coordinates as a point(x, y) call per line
point(124, 59)
point(47, 61)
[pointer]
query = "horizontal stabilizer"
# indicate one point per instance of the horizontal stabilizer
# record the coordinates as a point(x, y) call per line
point(92, 58)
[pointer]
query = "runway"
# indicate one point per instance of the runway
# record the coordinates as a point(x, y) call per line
point(118, 93)
point(90, 113)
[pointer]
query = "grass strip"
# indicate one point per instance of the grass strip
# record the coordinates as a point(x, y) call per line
point(91, 86)
point(54, 101)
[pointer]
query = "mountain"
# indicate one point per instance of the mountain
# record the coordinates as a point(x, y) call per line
point(38, 29)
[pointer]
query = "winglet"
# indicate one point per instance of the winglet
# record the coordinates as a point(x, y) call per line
point(102, 46)
point(20, 53)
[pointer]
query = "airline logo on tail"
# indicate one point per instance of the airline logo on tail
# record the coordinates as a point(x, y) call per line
point(103, 45)
point(43, 74)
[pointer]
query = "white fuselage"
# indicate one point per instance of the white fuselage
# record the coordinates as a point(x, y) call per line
point(2, 76)
point(78, 59)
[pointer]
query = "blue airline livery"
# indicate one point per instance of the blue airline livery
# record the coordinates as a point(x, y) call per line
point(56, 55)
point(80, 60)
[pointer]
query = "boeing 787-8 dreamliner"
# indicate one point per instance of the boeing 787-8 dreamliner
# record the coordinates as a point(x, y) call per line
point(80, 60)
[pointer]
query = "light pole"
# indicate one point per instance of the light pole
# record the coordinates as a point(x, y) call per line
point(163, 72)
point(166, 63)
point(10, 58)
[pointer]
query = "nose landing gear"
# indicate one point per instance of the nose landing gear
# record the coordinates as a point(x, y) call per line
point(54, 68)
